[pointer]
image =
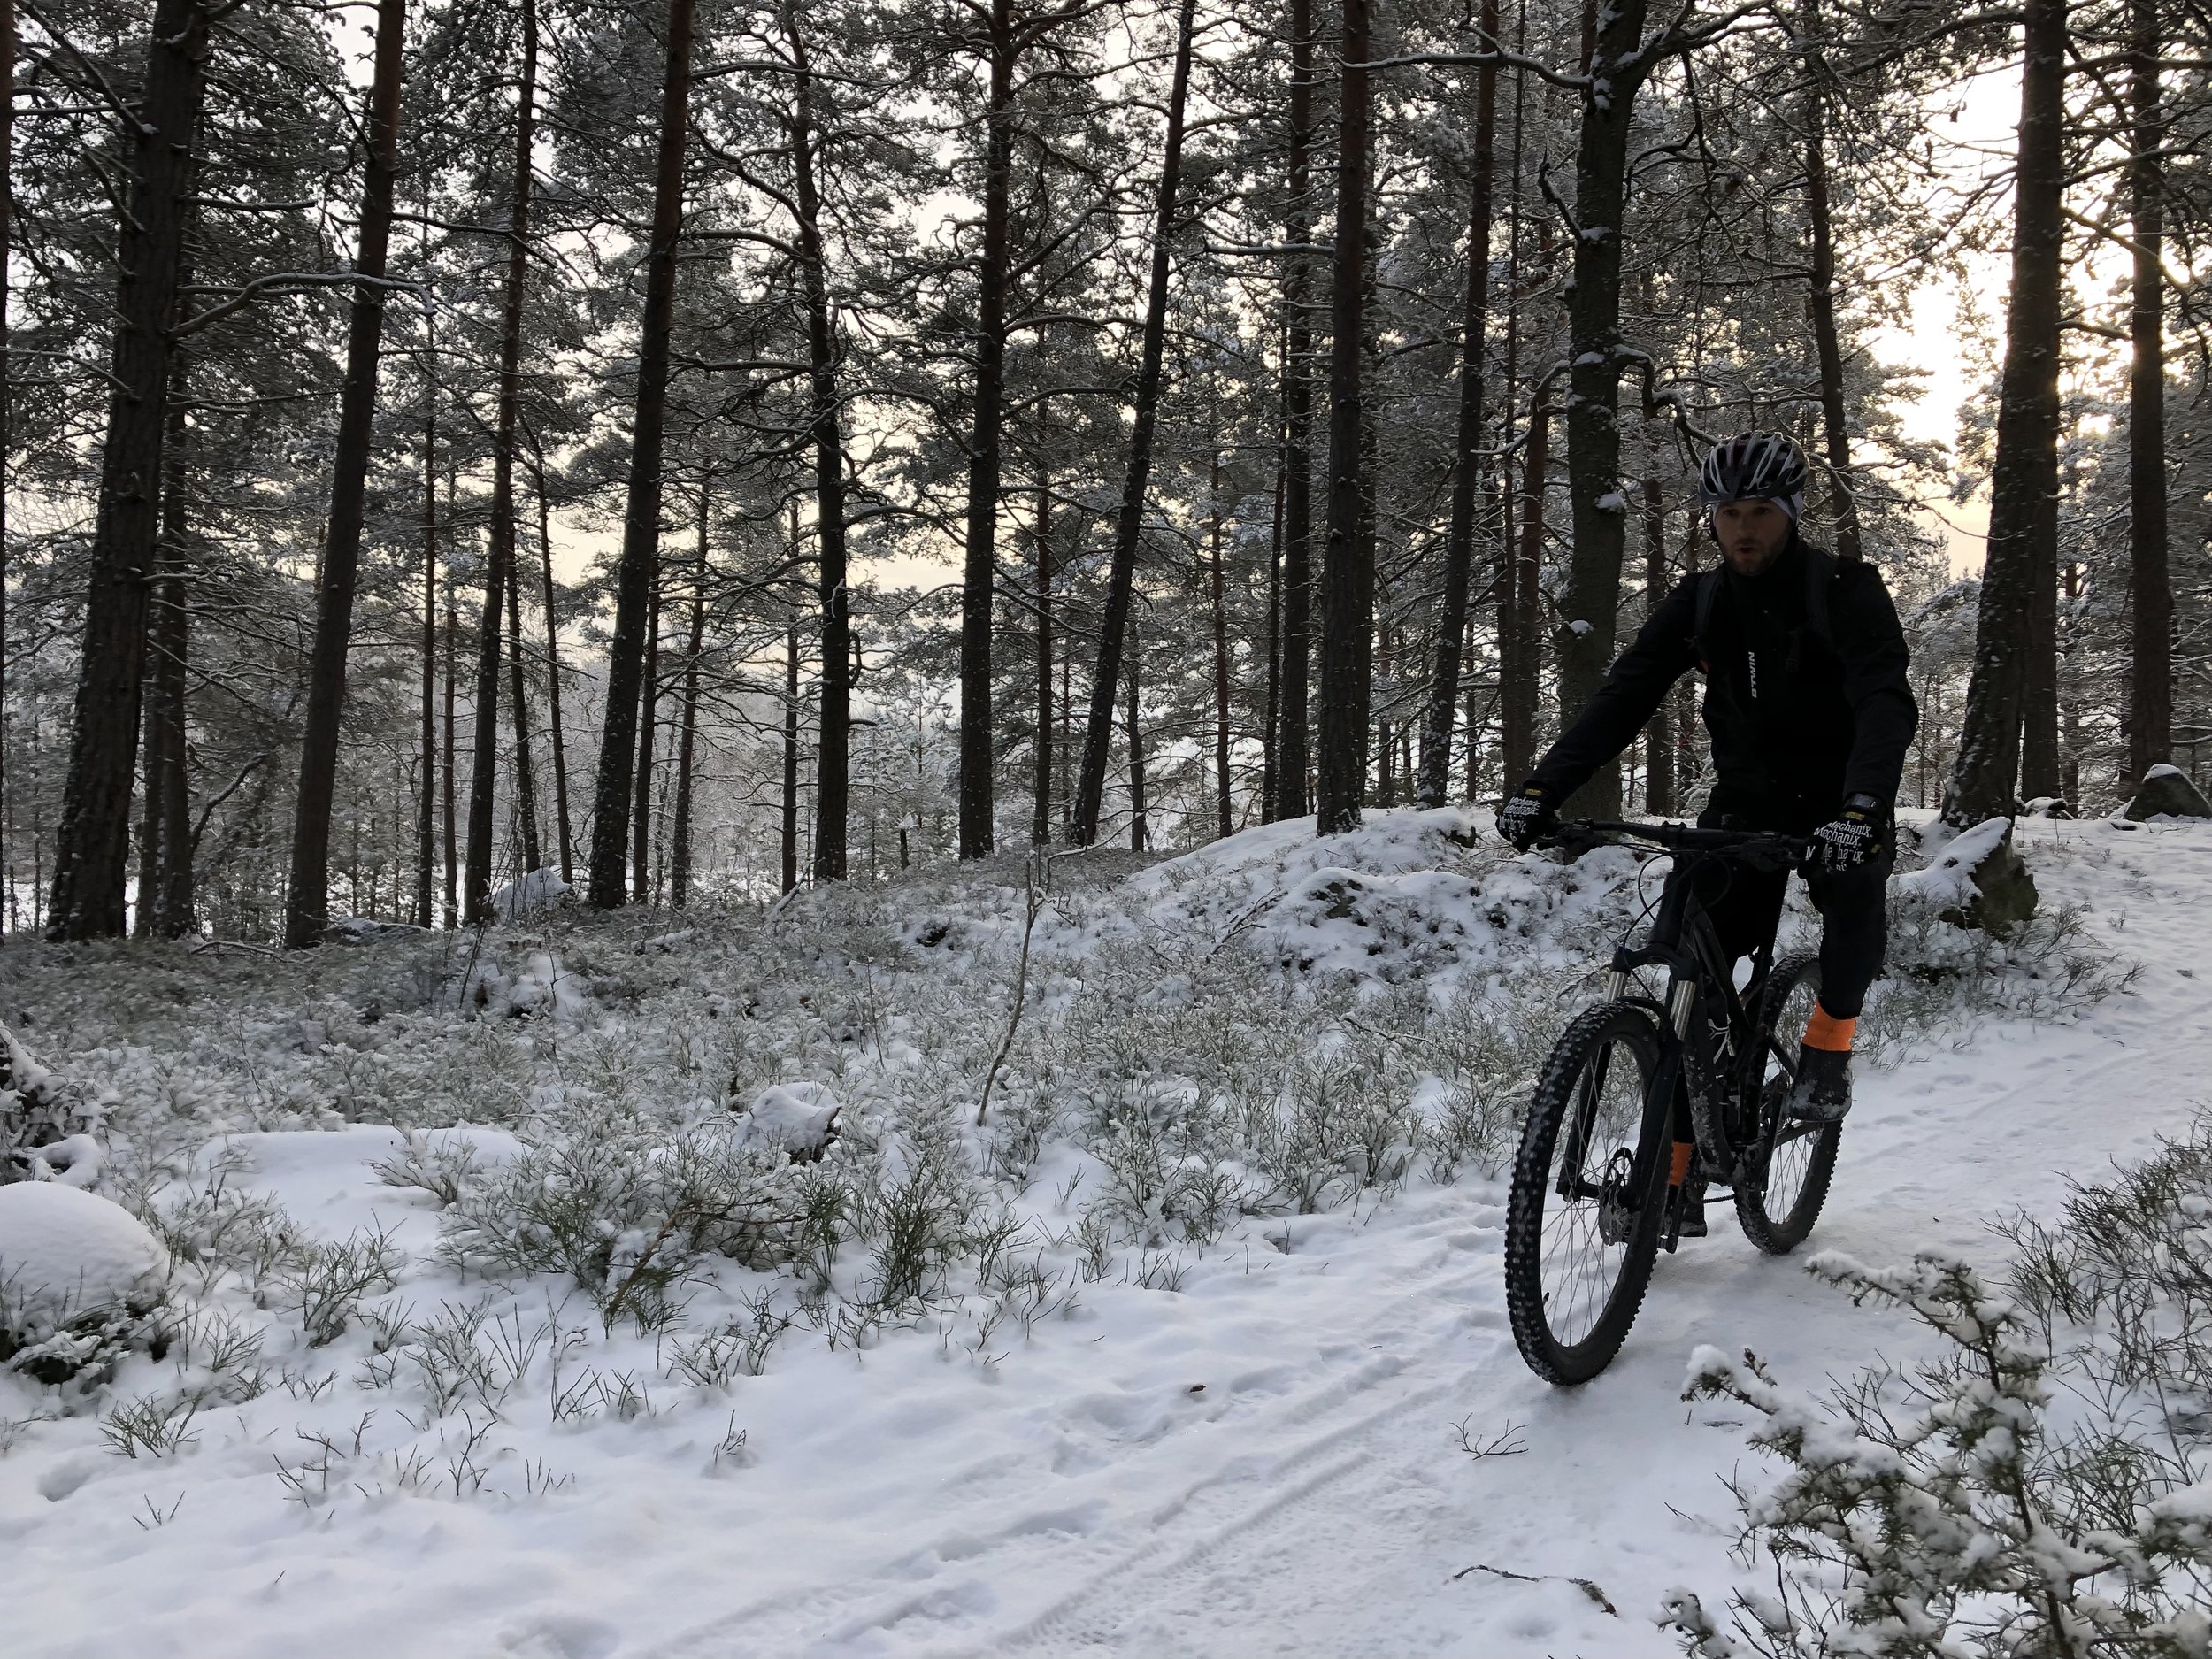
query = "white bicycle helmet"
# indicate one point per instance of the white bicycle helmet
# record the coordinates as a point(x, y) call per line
point(1755, 466)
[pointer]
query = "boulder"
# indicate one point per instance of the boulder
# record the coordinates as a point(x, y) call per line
point(2004, 892)
point(537, 893)
point(2166, 791)
point(800, 1118)
point(1979, 880)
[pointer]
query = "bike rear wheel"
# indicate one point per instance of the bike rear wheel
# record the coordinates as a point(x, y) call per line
point(1790, 1164)
point(1582, 1226)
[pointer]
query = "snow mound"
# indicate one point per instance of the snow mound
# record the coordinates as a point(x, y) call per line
point(1274, 857)
point(540, 891)
point(541, 986)
point(62, 1249)
point(1411, 894)
point(1412, 924)
point(363, 930)
point(800, 1118)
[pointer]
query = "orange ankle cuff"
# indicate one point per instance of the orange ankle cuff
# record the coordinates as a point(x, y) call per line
point(1824, 1030)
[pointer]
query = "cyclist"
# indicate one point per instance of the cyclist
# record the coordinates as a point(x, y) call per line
point(1809, 714)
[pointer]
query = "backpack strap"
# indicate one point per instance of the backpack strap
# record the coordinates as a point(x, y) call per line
point(1708, 591)
point(1822, 568)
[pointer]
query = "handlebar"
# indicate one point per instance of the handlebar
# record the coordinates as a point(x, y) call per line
point(1767, 849)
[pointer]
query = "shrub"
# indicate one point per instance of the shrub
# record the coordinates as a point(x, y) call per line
point(2035, 1488)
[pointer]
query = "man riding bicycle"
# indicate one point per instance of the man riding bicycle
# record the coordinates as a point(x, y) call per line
point(1810, 713)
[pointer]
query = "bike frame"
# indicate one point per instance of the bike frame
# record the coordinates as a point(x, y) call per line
point(1701, 985)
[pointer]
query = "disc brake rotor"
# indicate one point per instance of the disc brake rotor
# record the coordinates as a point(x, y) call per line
point(1616, 1215)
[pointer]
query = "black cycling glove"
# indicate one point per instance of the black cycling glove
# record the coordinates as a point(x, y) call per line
point(1528, 814)
point(1855, 836)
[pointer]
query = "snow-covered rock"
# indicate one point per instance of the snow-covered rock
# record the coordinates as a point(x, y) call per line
point(1978, 880)
point(540, 891)
point(541, 986)
point(63, 1250)
point(2166, 791)
point(800, 1118)
point(363, 930)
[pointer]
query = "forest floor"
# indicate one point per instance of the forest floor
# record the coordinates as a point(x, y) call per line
point(1287, 1420)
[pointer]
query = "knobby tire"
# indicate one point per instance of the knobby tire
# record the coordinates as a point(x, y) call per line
point(1609, 1035)
point(1779, 1200)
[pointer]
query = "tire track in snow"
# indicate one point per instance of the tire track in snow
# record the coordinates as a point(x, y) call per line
point(1062, 1577)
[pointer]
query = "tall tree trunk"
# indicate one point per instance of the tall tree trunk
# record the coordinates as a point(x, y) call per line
point(426, 811)
point(1659, 734)
point(1217, 584)
point(2023, 480)
point(1593, 325)
point(1519, 733)
point(2070, 589)
point(526, 804)
point(503, 575)
point(637, 573)
point(506, 516)
point(791, 758)
point(167, 803)
point(448, 784)
point(1835, 423)
point(1385, 737)
point(484, 752)
point(687, 752)
point(307, 897)
point(832, 759)
point(7, 159)
point(552, 663)
point(1506, 594)
point(1090, 786)
point(1363, 538)
point(1340, 769)
point(2150, 593)
point(980, 571)
point(1270, 728)
point(1292, 759)
point(1836, 430)
point(648, 732)
point(1136, 749)
point(1040, 813)
point(1459, 546)
point(2039, 772)
point(93, 842)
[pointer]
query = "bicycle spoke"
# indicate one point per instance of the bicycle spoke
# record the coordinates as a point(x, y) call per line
point(1580, 1266)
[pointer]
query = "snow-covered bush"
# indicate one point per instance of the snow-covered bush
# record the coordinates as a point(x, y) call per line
point(625, 1207)
point(2039, 1487)
point(81, 1284)
point(47, 1132)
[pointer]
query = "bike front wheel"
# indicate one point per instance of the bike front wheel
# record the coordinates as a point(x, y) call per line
point(1790, 1164)
point(1582, 1225)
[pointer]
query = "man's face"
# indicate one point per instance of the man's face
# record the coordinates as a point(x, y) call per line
point(1750, 533)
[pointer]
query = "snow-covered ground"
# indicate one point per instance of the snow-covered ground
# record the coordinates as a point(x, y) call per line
point(1310, 1436)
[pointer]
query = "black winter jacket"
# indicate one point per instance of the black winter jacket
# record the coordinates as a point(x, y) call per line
point(1797, 722)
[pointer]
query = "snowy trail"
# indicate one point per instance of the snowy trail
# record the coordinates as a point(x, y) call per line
point(1342, 1517)
point(1266, 1463)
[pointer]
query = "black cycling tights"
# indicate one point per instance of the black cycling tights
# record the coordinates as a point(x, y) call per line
point(1746, 904)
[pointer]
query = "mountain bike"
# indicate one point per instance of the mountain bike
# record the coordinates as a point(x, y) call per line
point(1646, 1093)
